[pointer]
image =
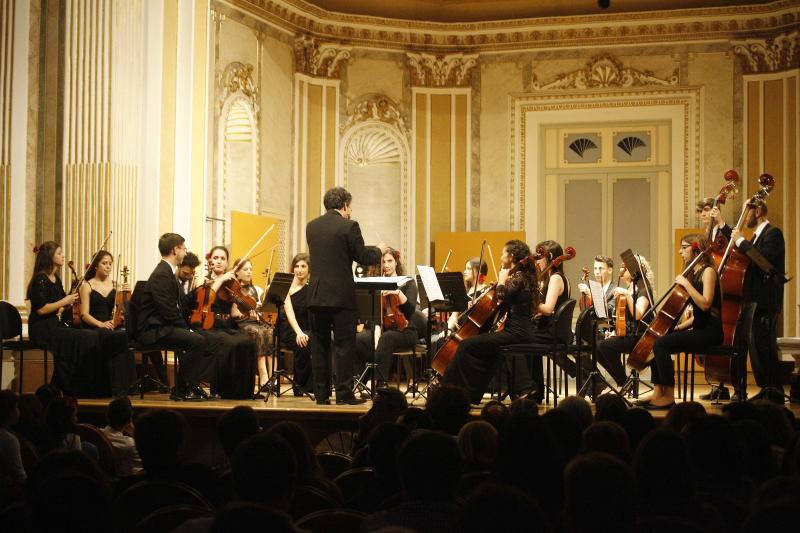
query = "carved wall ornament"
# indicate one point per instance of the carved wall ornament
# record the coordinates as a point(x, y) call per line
point(318, 59)
point(376, 107)
point(781, 52)
point(451, 70)
point(238, 77)
point(603, 72)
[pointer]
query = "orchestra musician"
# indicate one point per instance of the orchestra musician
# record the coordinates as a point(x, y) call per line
point(603, 270)
point(701, 330)
point(475, 272)
point(610, 349)
point(98, 295)
point(236, 350)
point(158, 309)
point(707, 213)
point(555, 290)
point(476, 357)
point(295, 325)
point(766, 290)
point(392, 338)
point(250, 323)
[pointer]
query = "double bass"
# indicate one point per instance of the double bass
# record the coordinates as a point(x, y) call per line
point(732, 269)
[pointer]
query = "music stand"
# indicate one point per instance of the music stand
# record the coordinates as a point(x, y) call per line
point(276, 295)
point(451, 287)
point(368, 307)
point(600, 318)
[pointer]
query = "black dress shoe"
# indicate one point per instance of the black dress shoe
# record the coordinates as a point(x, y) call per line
point(350, 400)
point(324, 401)
point(739, 397)
point(716, 393)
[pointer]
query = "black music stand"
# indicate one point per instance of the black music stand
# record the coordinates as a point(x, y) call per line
point(595, 374)
point(368, 307)
point(452, 287)
point(276, 295)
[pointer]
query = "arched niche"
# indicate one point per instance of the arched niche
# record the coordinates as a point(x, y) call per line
point(374, 167)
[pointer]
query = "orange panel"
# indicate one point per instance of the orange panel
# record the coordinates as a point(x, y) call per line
point(441, 144)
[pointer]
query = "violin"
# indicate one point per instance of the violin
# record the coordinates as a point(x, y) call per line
point(74, 287)
point(586, 299)
point(202, 316)
point(620, 326)
point(123, 295)
point(393, 317)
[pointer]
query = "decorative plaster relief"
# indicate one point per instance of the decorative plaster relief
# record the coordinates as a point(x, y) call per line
point(321, 60)
point(769, 55)
point(451, 70)
point(603, 72)
point(238, 77)
point(376, 107)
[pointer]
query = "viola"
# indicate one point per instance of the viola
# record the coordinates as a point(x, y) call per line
point(675, 301)
point(232, 291)
point(123, 295)
point(393, 317)
point(74, 287)
point(202, 316)
point(621, 309)
point(586, 299)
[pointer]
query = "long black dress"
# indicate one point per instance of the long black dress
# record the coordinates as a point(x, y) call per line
point(77, 358)
point(302, 355)
point(120, 366)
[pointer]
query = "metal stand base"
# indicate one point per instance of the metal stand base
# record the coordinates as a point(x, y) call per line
point(360, 385)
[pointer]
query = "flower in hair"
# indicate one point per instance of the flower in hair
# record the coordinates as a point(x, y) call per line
point(695, 246)
point(481, 278)
point(397, 254)
point(36, 248)
point(208, 256)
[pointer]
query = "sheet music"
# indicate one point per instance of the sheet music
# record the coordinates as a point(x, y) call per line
point(598, 295)
point(428, 276)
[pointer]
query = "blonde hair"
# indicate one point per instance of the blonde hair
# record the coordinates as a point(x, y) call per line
point(647, 270)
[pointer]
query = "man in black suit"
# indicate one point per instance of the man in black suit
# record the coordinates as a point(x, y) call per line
point(708, 213)
point(334, 243)
point(159, 319)
point(603, 270)
point(766, 290)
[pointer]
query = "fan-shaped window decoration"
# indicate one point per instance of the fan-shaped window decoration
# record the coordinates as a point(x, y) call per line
point(632, 146)
point(582, 148)
point(373, 148)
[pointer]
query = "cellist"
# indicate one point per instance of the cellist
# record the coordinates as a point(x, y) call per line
point(475, 272)
point(477, 356)
point(702, 330)
point(393, 337)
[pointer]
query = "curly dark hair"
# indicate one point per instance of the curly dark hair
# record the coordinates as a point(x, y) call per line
point(92, 272)
point(518, 250)
point(337, 198)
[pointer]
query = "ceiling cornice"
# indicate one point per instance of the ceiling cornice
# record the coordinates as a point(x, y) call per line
point(684, 25)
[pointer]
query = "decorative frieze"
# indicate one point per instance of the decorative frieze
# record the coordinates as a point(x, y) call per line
point(769, 55)
point(376, 107)
point(238, 77)
point(604, 72)
point(451, 70)
point(319, 59)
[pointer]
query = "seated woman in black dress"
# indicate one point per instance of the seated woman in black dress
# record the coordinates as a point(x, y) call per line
point(97, 312)
point(391, 338)
point(75, 351)
point(250, 323)
point(295, 326)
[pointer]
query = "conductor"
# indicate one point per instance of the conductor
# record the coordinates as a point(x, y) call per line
point(334, 243)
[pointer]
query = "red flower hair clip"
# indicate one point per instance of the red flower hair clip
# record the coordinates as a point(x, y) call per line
point(695, 246)
point(481, 278)
point(208, 256)
point(36, 248)
point(397, 254)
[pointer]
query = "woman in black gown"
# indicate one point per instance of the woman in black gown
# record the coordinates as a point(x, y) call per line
point(295, 325)
point(116, 365)
point(251, 323)
point(76, 353)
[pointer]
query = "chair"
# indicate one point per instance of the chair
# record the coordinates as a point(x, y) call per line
point(144, 378)
point(333, 463)
point(170, 517)
point(340, 520)
point(140, 500)
point(353, 483)
point(341, 442)
point(11, 329)
point(309, 499)
point(409, 356)
point(561, 332)
point(27, 452)
point(737, 352)
point(107, 453)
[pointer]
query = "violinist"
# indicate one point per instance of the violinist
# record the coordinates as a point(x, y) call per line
point(610, 349)
point(475, 272)
point(394, 336)
point(604, 274)
point(476, 357)
point(555, 290)
point(766, 289)
point(295, 325)
point(707, 214)
point(701, 330)
point(98, 296)
point(250, 323)
point(236, 349)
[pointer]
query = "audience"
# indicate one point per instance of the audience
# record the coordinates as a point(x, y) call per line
point(31, 424)
point(607, 437)
point(494, 412)
point(449, 408)
point(12, 473)
point(477, 441)
point(579, 408)
point(119, 431)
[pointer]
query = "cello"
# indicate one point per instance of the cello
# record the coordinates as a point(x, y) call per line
point(586, 299)
point(732, 269)
point(123, 295)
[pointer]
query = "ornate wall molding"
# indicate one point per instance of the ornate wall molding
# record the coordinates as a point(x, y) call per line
point(604, 72)
point(679, 25)
point(376, 107)
point(319, 59)
point(238, 78)
point(781, 52)
point(451, 70)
